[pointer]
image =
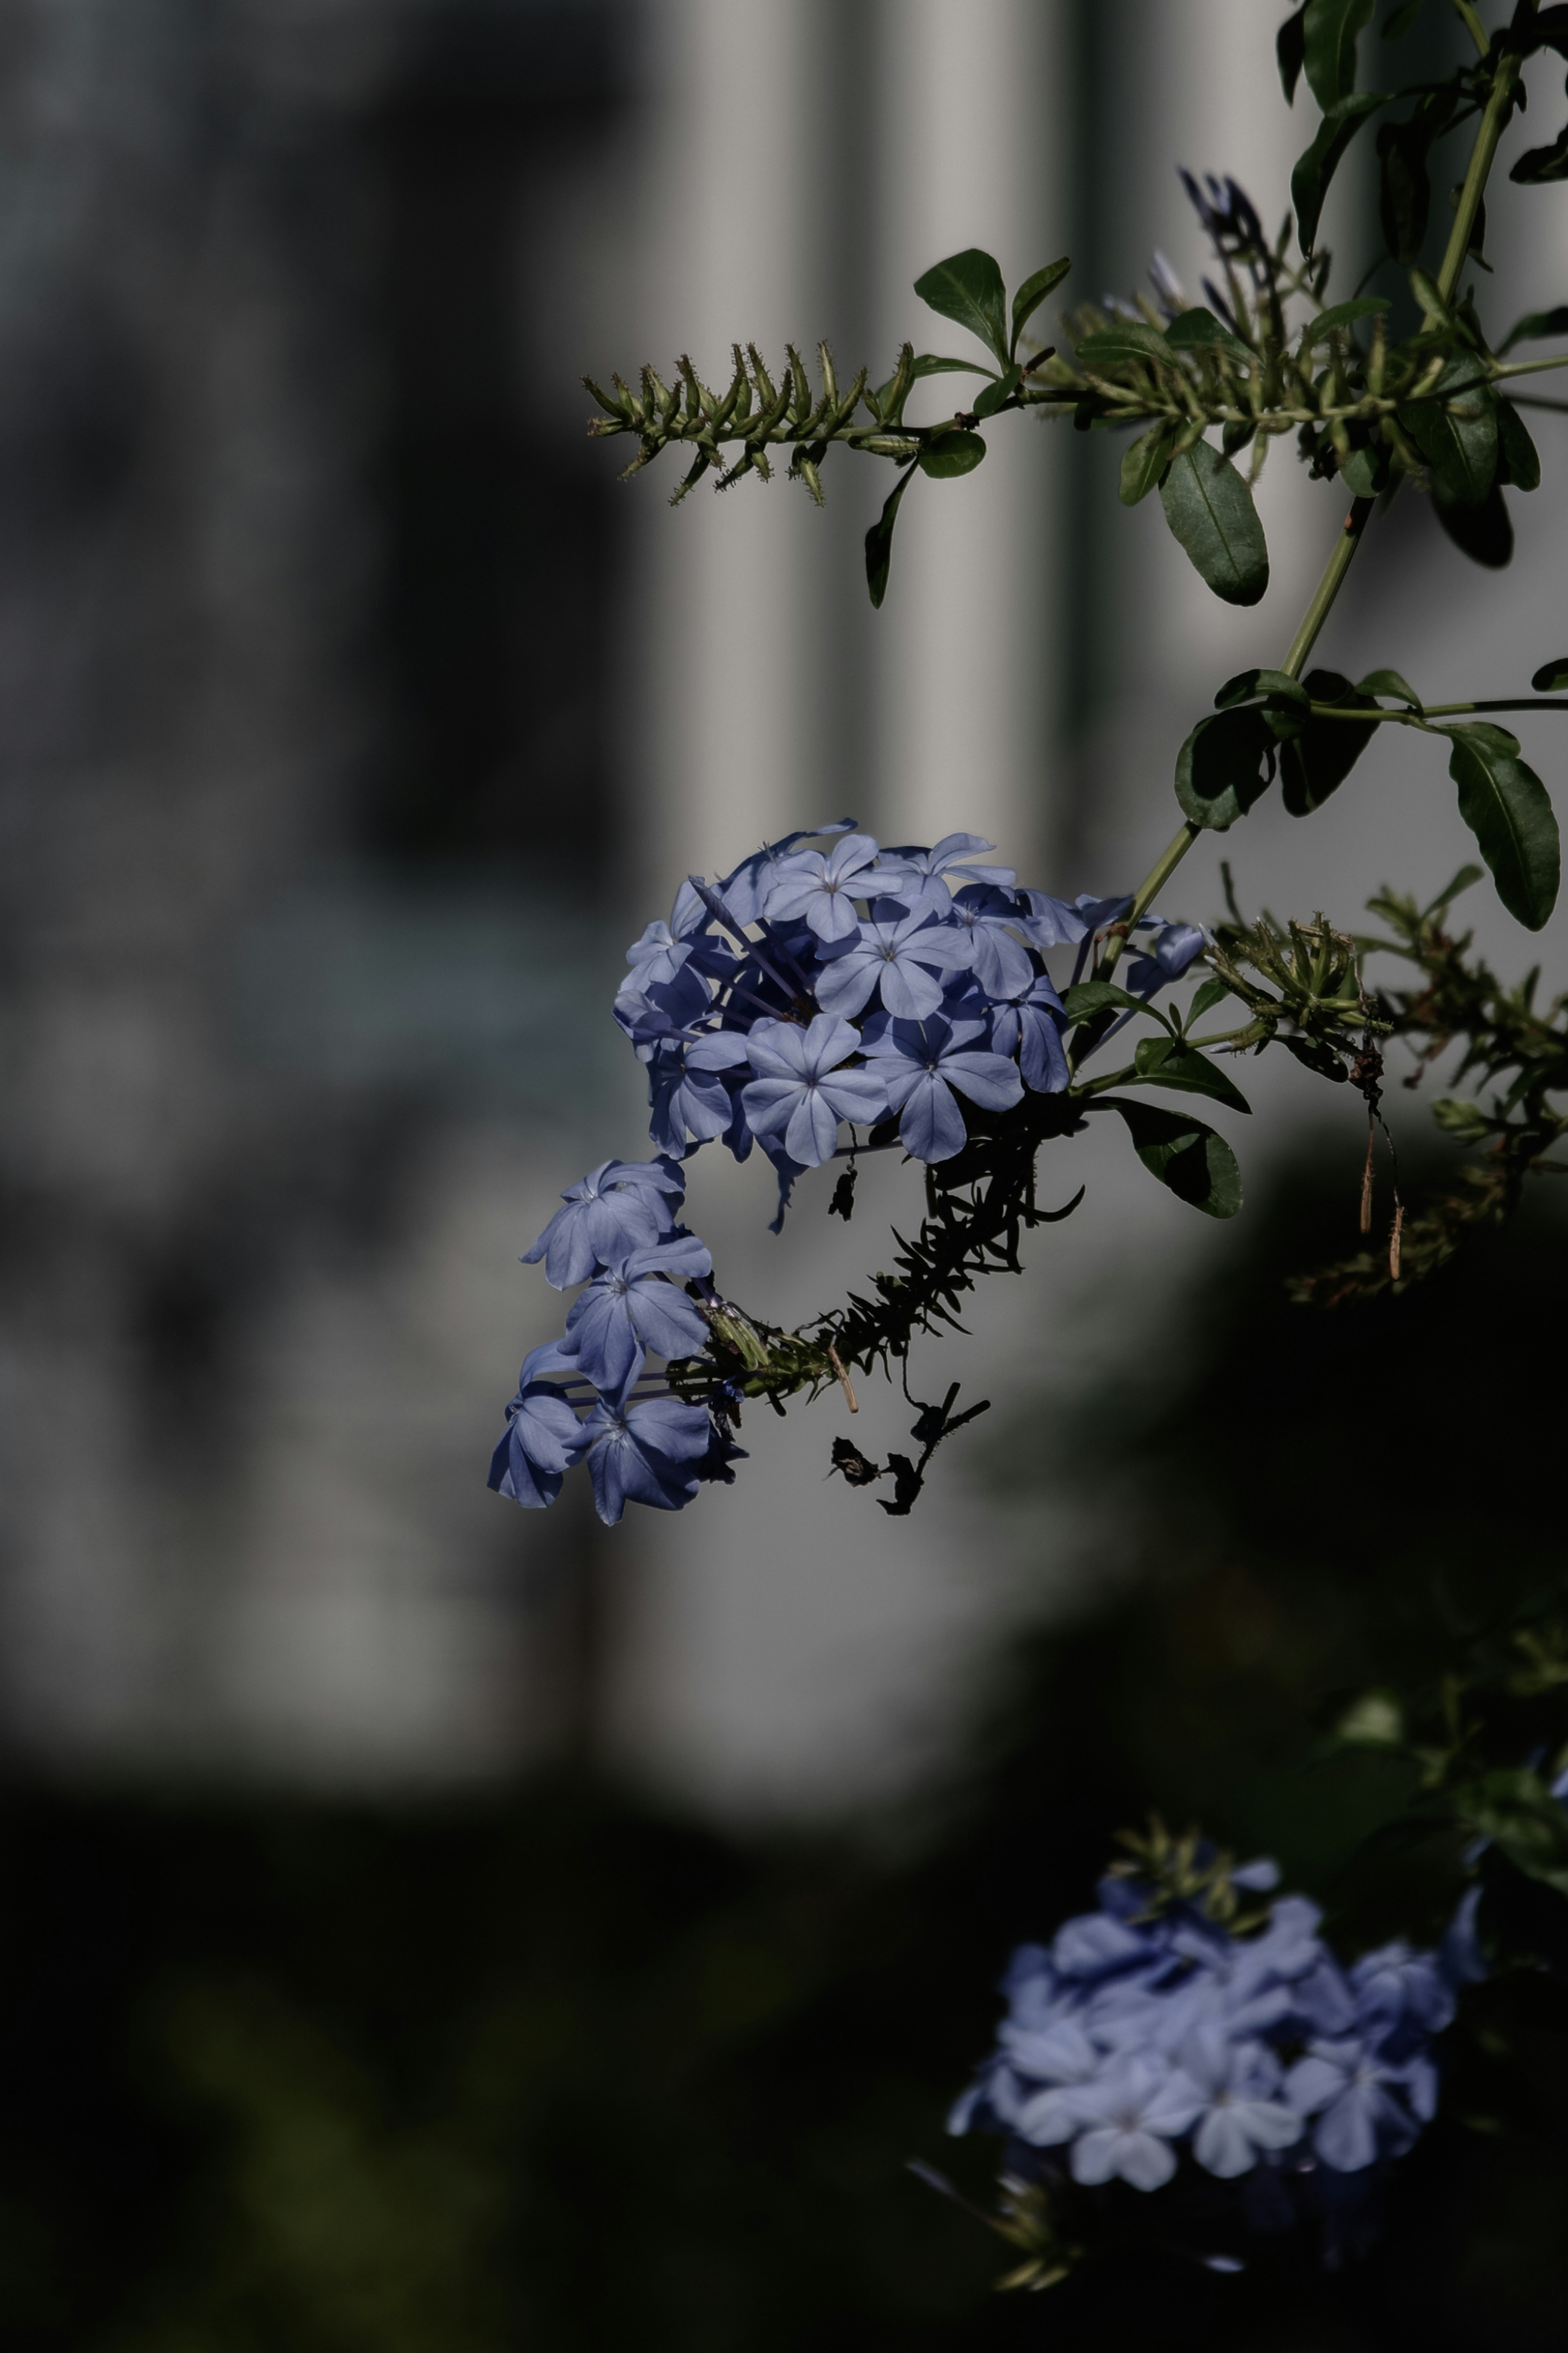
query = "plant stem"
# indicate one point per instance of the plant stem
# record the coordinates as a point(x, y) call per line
point(1498, 107)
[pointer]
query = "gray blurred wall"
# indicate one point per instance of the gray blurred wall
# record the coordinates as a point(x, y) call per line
point(352, 717)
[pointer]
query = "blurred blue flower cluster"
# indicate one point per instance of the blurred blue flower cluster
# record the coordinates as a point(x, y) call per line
point(1150, 2028)
point(812, 988)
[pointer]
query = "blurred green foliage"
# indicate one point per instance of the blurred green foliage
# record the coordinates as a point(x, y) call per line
point(555, 2068)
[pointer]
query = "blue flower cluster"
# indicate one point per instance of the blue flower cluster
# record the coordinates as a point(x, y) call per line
point(819, 987)
point(811, 989)
point(1140, 2032)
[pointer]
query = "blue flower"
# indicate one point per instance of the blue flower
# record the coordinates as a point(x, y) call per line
point(1401, 1995)
point(920, 1062)
point(1166, 958)
point(802, 1091)
point(1241, 2115)
point(899, 954)
point(1365, 2105)
point(542, 1440)
point(1028, 1024)
point(631, 1307)
point(1133, 2112)
point(919, 877)
point(823, 885)
point(745, 891)
point(644, 1453)
point(987, 918)
point(691, 1101)
point(621, 1205)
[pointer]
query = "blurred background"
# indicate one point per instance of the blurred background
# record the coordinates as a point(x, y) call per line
point(432, 1925)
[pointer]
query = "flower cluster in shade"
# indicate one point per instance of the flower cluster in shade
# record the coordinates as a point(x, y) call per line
point(816, 988)
point(1139, 2037)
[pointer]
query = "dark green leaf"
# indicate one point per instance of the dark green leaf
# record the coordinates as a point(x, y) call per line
point(1345, 314)
point(1317, 1054)
point(1506, 807)
point(880, 539)
point(1534, 327)
point(1226, 765)
point(1112, 346)
point(1209, 509)
point(1205, 998)
point(1484, 531)
point(928, 363)
point(1033, 292)
point(1165, 1064)
point(1145, 462)
point(1539, 165)
point(1198, 1166)
point(1258, 685)
point(1328, 34)
point(1366, 470)
point(1388, 682)
point(1519, 462)
point(992, 398)
point(956, 453)
point(1289, 50)
point(1551, 677)
point(1315, 169)
point(1399, 24)
point(1325, 752)
point(1198, 330)
point(1405, 187)
point(1455, 432)
point(967, 287)
point(1091, 997)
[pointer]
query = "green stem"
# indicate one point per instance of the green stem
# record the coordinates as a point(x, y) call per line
point(1498, 107)
point(1436, 710)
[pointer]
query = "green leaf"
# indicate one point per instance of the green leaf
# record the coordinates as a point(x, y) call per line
point(1209, 509)
point(1145, 462)
point(1551, 677)
point(1165, 1064)
point(1345, 314)
point(1317, 1054)
point(880, 539)
point(992, 398)
point(1519, 462)
point(1366, 471)
point(1205, 998)
point(1289, 50)
point(1226, 765)
point(1275, 686)
point(967, 287)
point(1198, 330)
point(1458, 443)
point(1534, 327)
point(1388, 682)
point(1399, 24)
point(1112, 346)
point(1198, 1166)
point(1484, 531)
point(1462, 881)
point(1315, 169)
point(1506, 807)
point(928, 363)
point(956, 453)
point(1328, 33)
point(1539, 165)
point(1088, 997)
point(1033, 292)
point(1326, 750)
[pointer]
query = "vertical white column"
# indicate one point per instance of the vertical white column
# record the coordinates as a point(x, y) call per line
point(729, 693)
point(968, 137)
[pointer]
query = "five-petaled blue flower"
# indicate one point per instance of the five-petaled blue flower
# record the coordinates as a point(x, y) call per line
point(632, 1307)
point(920, 1062)
point(899, 954)
point(621, 1205)
point(804, 1090)
point(823, 886)
point(645, 1453)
